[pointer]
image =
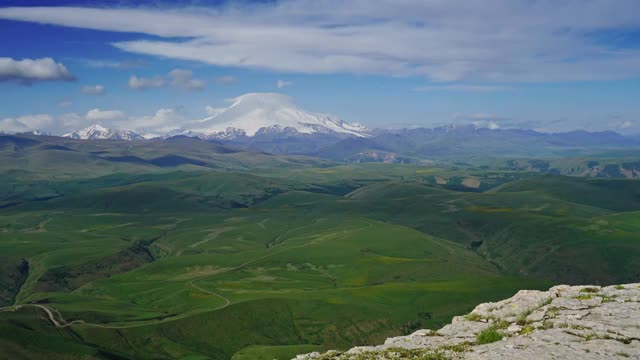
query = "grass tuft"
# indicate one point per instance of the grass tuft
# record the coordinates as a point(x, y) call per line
point(590, 290)
point(473, 317)
point(488, 336)
point(527, 330)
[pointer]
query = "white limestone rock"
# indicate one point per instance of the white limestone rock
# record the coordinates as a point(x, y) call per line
point(566, 322)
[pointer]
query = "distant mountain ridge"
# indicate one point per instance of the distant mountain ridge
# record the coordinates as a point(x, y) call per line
point(466, 143)
point(98, 132)
point(273, 123)
point(592, 161)
point(473, 143)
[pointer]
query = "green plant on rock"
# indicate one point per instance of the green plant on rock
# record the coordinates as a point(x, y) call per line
point(488, 336)
point(522, 318)
point(500, 324)
point(462, 347)
point(589, 290)
point(434, 356)
point(473, 317)
point(527, 330)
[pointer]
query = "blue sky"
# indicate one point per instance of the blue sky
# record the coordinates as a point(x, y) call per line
point(548, 65)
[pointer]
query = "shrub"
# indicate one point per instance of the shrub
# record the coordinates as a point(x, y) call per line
point(473, 317)
point(488, 336)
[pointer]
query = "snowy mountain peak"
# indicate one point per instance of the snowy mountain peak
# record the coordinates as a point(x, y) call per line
point(270, 113)
point(97, 131)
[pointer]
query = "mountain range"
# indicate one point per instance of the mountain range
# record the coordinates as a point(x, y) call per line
point(273, 123)
point(98, 132)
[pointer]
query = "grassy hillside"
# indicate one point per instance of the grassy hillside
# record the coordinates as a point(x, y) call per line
point(271, 256)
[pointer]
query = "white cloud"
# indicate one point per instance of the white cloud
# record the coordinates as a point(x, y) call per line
point(183, 79)
point(211, 111)
point(93, 90)
point(26, 123)
point(65, 103)
point(28, 71)
point(625, 125)
point(493, 125)
point(458, 40)
point(283, 84)
point(226, 80)
point(12, 125)
point(111, 64)
point(145, 83)
point(177, 78)
point(483, 120)
point(104, 116)
point(160, 123)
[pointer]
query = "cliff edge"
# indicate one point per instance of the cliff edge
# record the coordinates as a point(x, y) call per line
point(566, 322)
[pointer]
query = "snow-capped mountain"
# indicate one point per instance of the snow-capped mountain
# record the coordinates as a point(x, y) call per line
point(269, 114)
point(96, 131)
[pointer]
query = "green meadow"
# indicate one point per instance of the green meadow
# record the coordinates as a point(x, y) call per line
point(266, 257)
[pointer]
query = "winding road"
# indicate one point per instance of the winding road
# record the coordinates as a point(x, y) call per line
point(58, 320)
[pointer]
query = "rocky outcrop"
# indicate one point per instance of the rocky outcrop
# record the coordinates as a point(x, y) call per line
point(566, 322)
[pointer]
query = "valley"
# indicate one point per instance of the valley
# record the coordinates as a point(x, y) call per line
point(319, 179)
point(229, 254)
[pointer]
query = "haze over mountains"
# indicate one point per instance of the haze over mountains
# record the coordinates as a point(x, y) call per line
point(273, 114)
point(273, 123)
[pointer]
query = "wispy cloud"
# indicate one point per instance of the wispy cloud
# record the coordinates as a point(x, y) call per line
point(93, 90)
point(112, 64)
point(281, 84)
point(483, 120)
point(27, 123)
point(625, 125)
point(226, 80)
point(183, 79)
point(28, 71)
point(140, 83)
point(157, 124)
point(446, 41)
point(178, 78)
point(98, 115)
point(211, 111)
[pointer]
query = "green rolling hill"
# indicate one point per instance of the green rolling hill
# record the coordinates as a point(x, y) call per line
point(110, 253)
